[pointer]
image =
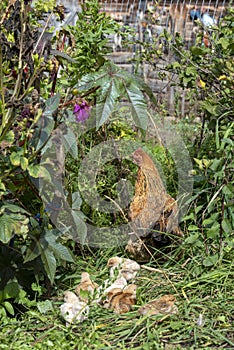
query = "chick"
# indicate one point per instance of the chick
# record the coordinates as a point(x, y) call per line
point(70, 297)
point(86, 287)
point(73, 309)
point(120, 283)
point(126, 267)
point(121, 300)
point(163, 305)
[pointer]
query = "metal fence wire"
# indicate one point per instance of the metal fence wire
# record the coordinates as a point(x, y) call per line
point(149, 19)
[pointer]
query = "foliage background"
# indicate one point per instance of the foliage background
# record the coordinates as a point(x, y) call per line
point(37, 261)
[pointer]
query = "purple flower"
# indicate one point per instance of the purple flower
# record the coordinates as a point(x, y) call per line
point(81, 111)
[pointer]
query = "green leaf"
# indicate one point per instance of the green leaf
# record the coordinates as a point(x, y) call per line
point(59, 250)
point(193, 228)
point(228, 189)
point(192, 238)
point(39, 171)
point(106, 103)
point(198, 51)
point(227, 226)
point(2, 186)
point(224, 42)
point(8, 306)
point(49, 263)
point(70, 143)
point(216, 163)
point(214, 231)
point(12, 221)
point(44, 306)
point(191, 70)
point(10, 137)
point(92, 80)
point(210, 107)
point(76, 201)
point(81, 227)
point(11, 290)
point(61, 54)
point(6, 229)
point(15, 158)
point(32, 252)
point(146, 88)
point(14, 208)
point(211, 260)
point(51, 105)
point(23, 163)
point(46, 123)
point(138, 105)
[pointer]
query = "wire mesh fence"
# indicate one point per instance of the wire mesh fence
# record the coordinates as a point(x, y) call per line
point(148, 19)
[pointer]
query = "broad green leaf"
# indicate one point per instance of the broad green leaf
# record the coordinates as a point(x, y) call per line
point(192, 238)
point(59, 250)
point(11, 290)
point(92, 80)
point(211, 260)
point(8, 306)
point(6, 228)
point(81, 227)
point(227, 226)
point(70, 143)
point(228, 189)
point(216, 163)
point(2, 186)
point(106, 104)
point(2, 311)
point(51, 105)
point(46, 122)
point(210, 107)
point(76, 201)
point(14, 208)
point(62, 54)
point(147, 89)
point(44, 306)
point(10, 137)
point(39, 171)
point(138, 105)
point(49, 263)
point(193, 228)
point(15, 158)
point(214, 231)
point(225, 42)
point(23, 163)
point(32, 252)
point(198, 50)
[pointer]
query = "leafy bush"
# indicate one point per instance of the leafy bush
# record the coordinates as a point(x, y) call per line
point(29, 113)
point(208, 75)
point(40, 85)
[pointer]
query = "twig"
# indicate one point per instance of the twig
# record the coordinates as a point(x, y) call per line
point(43, 31)
point(152, 269)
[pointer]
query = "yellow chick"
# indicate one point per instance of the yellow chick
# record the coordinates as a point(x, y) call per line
point(121, 300)
point(127, 268)
point(163, 305)
point(70, 297)
point(86, 287)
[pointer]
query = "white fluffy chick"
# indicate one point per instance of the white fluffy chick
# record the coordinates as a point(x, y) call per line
point(127, 268)
point(73, 309)
point(120, 283)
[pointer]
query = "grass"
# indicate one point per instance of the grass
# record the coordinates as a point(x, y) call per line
point(204, 298)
